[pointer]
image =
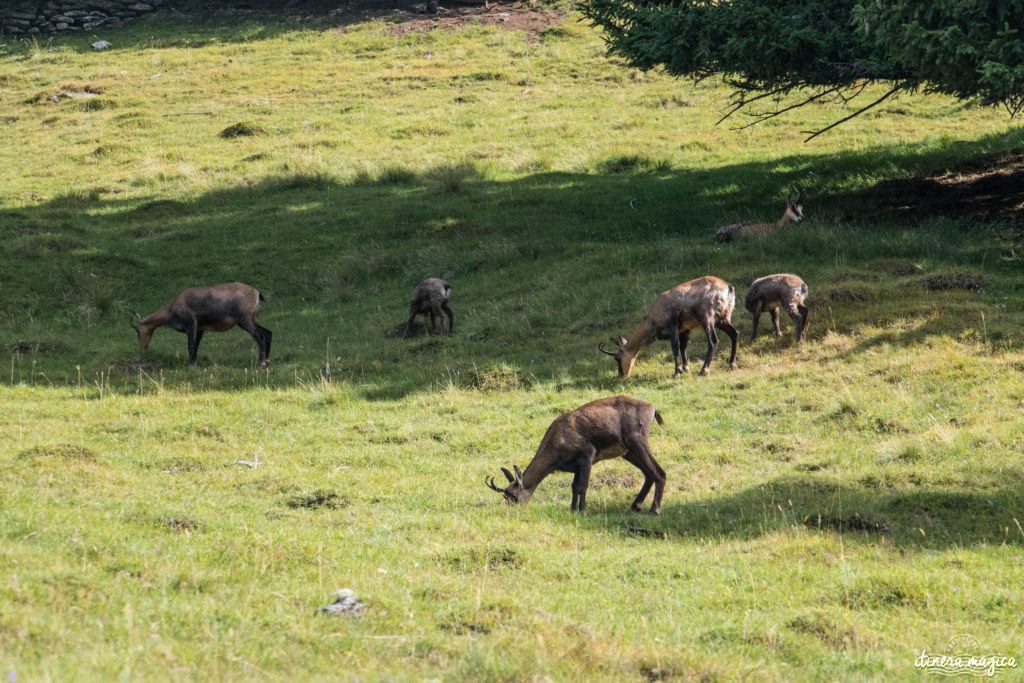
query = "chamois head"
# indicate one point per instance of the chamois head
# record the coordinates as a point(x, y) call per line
point(145, 334)
point(514, 492)
point(622, 356)
point(795, 209)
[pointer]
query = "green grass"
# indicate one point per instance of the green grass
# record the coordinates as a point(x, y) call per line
point(831, 510)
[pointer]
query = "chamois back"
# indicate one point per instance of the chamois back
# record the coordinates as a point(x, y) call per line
point(772, 292)
point(617, 426)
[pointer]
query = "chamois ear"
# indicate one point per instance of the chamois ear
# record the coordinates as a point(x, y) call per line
point(519, 474)
point(137, 317)
point(622, 341)
point(508, 475)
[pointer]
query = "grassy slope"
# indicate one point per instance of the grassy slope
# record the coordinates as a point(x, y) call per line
point(831, 511)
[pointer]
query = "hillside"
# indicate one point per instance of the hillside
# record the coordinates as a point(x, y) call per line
point(832, 509)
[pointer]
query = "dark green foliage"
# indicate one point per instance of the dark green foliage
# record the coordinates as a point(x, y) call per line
point(970, 49)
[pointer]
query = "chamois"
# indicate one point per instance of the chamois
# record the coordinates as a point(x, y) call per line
point(794, 213)
point(612, 427)
point(432, 296)
point(771, 292)
point(706, 302)
point(215, 309)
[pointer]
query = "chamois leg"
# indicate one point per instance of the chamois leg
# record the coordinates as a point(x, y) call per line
point(734, 336)
point(408, 325)
point(684, 341)
point(195, 335)
point(446, 307)
point(775, 321)
point(802, 327)
point(640, 456)
point(674, 339)
point(581, 480)
point(757, 317)
point(267, 336)
point(435, 314)
point(709, 330)
point(262, 336)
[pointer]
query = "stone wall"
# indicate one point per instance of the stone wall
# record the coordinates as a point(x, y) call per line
point(52, 16)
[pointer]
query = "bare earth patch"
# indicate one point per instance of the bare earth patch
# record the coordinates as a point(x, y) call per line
point(514, 16)
point(986, 187)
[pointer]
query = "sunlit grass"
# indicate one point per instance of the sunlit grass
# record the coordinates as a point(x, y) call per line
point(832, 509)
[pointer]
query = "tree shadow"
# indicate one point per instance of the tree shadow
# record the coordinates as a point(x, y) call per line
point(245, 23)
point(544, 267)
point(920, 517)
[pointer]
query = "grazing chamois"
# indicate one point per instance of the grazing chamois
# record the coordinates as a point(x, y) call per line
point(771, 292)
point(209, 309)
point(612, 427)
point(706, 302)
point(794, 214)
point(431, 296)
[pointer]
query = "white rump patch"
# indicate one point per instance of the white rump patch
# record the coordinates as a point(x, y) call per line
point(447, 291)
point(257, 306)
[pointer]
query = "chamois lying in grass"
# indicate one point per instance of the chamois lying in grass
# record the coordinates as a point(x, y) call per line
point(613, 427)
point(705, 303)
point(209, 309)
point(794, 213)
point(433, 297)
point(771, 292)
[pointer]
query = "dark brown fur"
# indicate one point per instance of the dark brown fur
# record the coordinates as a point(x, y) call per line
point(771, 292)
point(613, 427)
point(433, 297)
point(209, 309)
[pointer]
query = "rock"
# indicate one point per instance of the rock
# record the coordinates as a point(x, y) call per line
point(345, 604)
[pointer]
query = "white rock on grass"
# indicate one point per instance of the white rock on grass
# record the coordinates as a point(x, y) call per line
point(346, 603)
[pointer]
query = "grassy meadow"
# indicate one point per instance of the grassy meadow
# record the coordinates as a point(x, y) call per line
point(832, 510)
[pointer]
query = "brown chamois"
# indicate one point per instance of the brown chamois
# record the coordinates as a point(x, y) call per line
point(612, 427)
point(431, 296)
point(794, 214)
point(209, 309)
point(771, 292)
point(706, 302)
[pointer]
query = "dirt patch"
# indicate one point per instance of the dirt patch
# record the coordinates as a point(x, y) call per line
point(319, 498)
point(613, 480)
point(849, 522)
point(988, 187)
point(946, 281)
point(514, 16)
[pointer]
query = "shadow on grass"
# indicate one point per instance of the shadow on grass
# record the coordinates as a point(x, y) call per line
point(543, 267)
point(922, 517)
point(265, 21)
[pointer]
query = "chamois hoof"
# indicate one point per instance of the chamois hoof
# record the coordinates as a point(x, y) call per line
point(705, 371)
point(733, 366)
point(655, 511)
